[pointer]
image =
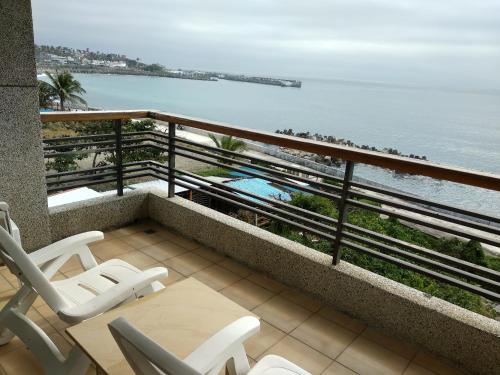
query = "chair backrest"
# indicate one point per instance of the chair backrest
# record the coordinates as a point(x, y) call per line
point(20, 264)
point(144, 355)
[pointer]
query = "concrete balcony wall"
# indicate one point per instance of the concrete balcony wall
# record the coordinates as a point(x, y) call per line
point(456, 333)
point(97, 214)
point(22, 170)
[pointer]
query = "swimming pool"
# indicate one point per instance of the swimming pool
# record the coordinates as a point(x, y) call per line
point(242, 174)
point(260, 187)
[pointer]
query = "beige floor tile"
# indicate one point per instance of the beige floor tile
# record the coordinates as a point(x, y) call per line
point(111, 249)
point(216, 277)
point(414, 369)
point(335, 316)
point(400, 347)
point(326, 337)
point(267, 337)
point(235, 267)
point(126, 230)
point(178, 239)
point(187, 263)
point(40, 321)
point(138, 259)
point(60, 276)
point(52, 317)
point(282, 314)
point(13, 344)
point(7, 275)
point(266, 282)
point(302, 299)
point(20, 362)
point(300, 354)
point(73, 264)
point(39, 301)
point(173, 275)
point(164, 250)
point(439, 365)
point(4, 285)
point(338, 369)
point(366, 357)
point(61, 342)
point(209, 254)
point(108, 236)
point(140, 240)
point(247, 294)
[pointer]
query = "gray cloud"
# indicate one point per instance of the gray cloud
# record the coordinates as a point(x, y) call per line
point(448, 42)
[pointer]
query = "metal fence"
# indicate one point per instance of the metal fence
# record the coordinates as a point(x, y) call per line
point(346, 193)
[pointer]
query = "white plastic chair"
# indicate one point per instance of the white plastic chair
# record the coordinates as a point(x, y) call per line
point(224, 348)
point(91, 293)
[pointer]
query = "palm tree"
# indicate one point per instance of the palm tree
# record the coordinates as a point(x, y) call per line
point(45, 94)
point(229, 143)
point(66, 88)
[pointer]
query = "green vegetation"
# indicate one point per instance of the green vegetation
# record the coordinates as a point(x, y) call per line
point(229, 143)
point(217, 172)
point(45, 94)
point(100, 158)
point(470, 251)
point(64, 87)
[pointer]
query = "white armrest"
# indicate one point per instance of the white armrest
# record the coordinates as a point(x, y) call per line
point(113, 296)
point(224, 345)
point(71, 245)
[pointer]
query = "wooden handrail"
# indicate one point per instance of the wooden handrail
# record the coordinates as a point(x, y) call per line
point(93, 115)
point(379, 159)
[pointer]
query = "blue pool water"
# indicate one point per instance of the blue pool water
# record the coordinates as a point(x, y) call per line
point(248, 169)
point(260, 187)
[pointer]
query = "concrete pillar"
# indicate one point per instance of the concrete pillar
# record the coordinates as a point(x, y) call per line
point(22, 170)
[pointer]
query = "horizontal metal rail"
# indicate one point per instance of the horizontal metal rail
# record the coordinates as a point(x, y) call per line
point(441, 267)
point(422, 222)
point(266, 177)
point(427, 212)
point(424, 271)
point(254, 158)
point(267, 171)
point(425, 202)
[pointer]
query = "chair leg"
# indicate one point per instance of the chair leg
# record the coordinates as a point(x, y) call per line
point(13, 316)
point(238, 364)
point(44, 349)
point(22, 301)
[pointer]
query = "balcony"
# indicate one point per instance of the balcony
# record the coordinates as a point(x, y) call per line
point(294, 324)
point(315, 292)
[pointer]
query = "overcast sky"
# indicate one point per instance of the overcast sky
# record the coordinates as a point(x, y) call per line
point(428, 42)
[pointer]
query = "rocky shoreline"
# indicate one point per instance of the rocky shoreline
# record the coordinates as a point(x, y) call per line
point(332, 161)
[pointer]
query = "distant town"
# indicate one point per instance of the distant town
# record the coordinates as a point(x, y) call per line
point(51, 58)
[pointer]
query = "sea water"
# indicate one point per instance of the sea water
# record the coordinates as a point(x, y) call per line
point(456, 127)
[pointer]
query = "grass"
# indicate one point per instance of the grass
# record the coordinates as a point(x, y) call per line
point(216, 172)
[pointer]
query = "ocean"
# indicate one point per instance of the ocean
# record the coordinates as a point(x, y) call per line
point(452, 127)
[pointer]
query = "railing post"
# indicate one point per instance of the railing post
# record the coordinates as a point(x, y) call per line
point(171, 160)
point(342, 208)
point(118, 157)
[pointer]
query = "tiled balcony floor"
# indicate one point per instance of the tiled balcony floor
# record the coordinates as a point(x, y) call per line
point(293, 325)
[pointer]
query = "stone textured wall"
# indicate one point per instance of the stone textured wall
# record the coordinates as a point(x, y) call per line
point(97, 214)
point(22, 171)
point(456, 333)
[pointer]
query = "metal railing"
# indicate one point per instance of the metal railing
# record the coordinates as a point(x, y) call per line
point(346, 193)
